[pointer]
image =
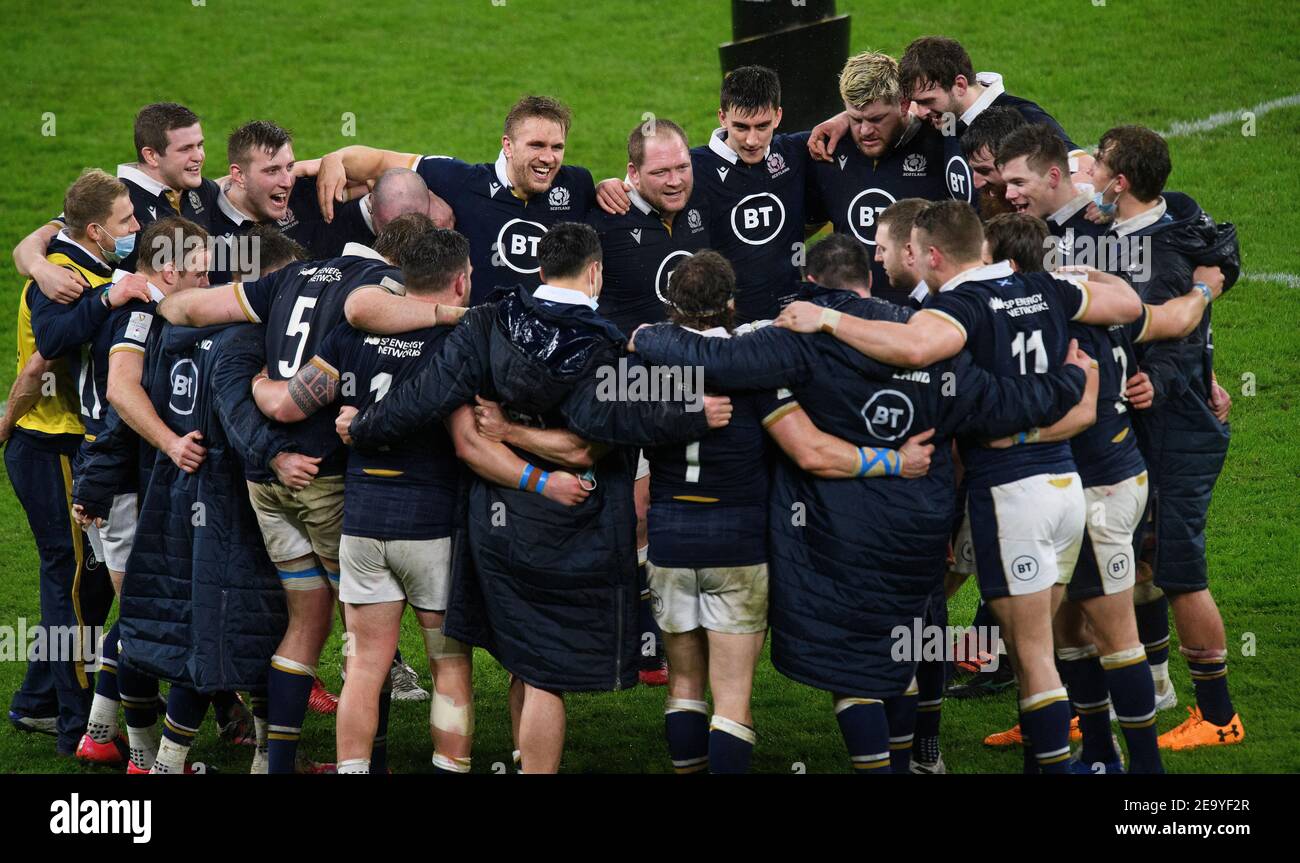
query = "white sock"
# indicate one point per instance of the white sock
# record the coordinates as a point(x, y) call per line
point(171, 757)
point(353, 765)
point(144, 745)
point(259, 731)
point(1160, 674)
point(102, 724)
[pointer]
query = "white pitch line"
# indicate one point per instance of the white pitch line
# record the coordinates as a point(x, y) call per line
point(1223, 118)
point(1291, 280)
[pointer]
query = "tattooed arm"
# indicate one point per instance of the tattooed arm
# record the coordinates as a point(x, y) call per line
point(315, 386)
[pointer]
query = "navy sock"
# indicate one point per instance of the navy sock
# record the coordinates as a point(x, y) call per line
point(1210, 679)
point(379, 749)
point(1153, 629)
point(866, 733)
point(900, 714)
point(1134, 695)
point(686, 725)
point(930, 680)
point(1085, 681)
point(288, 688)
point(1030, 765)
point(106, 678)
point(730, 745)
point(1045, 722)
point(185, 710)
point(983, 617)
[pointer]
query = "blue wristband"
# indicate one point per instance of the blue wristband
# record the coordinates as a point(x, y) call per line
point(541, 483)
point(523, 478)
point(1205, 291)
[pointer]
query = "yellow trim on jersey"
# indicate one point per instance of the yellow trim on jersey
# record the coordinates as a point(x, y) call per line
point(1120, 437)
point(1061, 481)
point(691, 498)
point(950, 319)
point(324, 366)
point(79, 553)
point(243, 304)
point(1087, 300)
point(126, 346)
point(1147, 311)
point(1142, 478)
point(379, 471)
point(781, 413)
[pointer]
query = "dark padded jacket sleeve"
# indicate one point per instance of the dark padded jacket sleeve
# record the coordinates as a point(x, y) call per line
point(992, 406)
point(107, 467)
point(59, 329)
point(451, 380)
point(764, 360)
point(1171, 364)
point(253, 437)
point(640, 423)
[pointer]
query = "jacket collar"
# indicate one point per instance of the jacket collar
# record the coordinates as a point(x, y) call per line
point(1141, 220)
point(564, 296)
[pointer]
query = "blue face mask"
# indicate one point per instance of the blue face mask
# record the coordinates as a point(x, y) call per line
point(1105, 209)
point(122, 246)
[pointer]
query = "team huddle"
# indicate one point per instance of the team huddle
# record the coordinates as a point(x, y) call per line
point(617, 433)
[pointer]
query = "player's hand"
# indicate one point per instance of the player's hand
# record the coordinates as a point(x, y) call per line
point(1220, 402)
point(1213, 278)
point(1077, 356)
point(489, 420)
point(826, 135)
point(295, 470)
point(1140, 393)
point(445, 315)
point(440, 212)
point(57, 283)
point(331, 184)
point(801, 316)
point(631, 342)
point(564, 488)
point(343, 423)
point(187, 453)
point(612, 197)
point(916, 453)
point(83, 518)
point(1092, 214)
point(717, 409)
point(132, 287)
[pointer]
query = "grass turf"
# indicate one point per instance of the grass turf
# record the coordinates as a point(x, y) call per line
point(438, 77)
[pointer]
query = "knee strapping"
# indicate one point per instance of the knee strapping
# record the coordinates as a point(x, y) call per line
point(289, 666)
point(1073, 654)
point(1198, 654)
point(438, 646)
point(678, 705)
point(843, 704)
point(445, 715)
point(1123, 658)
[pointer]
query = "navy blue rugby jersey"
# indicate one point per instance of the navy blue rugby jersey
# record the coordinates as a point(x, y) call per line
point(408, 490)
point(758, 215)
point(641, 251)
point(854, 189)
point(1107, 452)
point(1014, 324)
point(299, 305)
point(503, 230)
point(153, 201)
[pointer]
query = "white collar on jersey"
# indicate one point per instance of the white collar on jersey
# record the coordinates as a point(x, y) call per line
point(232, 212)
point(154, 294)
point(1141, 220)
point(361, 250)
point(1072, 206)
point(503, 171)
point(567, 296)
point(993, 88)
point(141, 179)
point(639, 202)
point(920, 292)
point(1000, 270)
point(710, 333)
point(67, 238)
point(718, 144)
point(366, 215)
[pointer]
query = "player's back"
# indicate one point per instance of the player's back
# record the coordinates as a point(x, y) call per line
point(1014, 324)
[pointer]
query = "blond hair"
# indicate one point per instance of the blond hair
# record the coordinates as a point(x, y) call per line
point(91, 198)
point(870, 77)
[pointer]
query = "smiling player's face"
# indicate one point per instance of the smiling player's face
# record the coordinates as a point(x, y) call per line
point(181, 166)
point(267, 181)
point(534, 154)
point(750, 134)
point(664, 178)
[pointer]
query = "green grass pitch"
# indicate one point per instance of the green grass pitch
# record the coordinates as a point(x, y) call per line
point(437, 77)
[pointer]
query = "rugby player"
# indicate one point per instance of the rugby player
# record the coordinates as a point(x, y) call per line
point(1173, 394)
point(1014, 324)
point(166, 179)
point(552, 637)
point(979, 146)
point(504, 207)
point(300, 304)
point(754, 182)
point(398, 507)
point(894, 251)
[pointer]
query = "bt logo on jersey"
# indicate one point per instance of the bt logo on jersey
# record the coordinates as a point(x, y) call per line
point(757, 219)
point(516, 246)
